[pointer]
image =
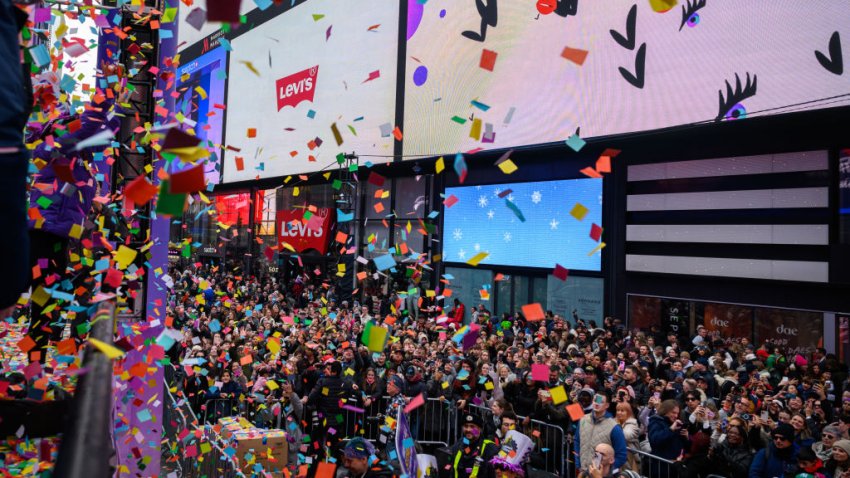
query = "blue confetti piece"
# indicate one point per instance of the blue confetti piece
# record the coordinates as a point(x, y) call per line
point(575, 143)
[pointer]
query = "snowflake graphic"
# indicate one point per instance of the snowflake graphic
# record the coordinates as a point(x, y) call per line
point(477, 247)
point(482, 201)
point(457, 234)
point(511, 197)
point(536, 197)
point(507, 236)
point(490, 214)
point(553, 225)
point(496, 192)
point(461, 254)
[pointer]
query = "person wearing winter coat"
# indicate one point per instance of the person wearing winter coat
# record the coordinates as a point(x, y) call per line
point(668, 437)
point(733, 455)
point(631, 432)
point(779, 458)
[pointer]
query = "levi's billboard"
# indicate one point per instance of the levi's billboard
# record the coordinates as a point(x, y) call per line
point(305, 235)
point(297, 87)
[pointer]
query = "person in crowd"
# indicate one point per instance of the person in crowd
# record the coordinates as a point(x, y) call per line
point(625, 417)
point(823, 448)
point(326, 397)
point(599, 427)
point(733, 455)
point(809, 463)
point(602, 464)
point(779, 458)
point(838, 465)
point(668, 436)
point(471, 455)
point(359, 461)
point(513, 456)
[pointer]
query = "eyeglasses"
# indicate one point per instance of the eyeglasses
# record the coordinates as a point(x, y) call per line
point(780, 438)
point(693, 399)
point(828, 436)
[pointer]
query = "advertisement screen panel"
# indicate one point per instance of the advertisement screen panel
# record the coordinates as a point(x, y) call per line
point(200, 86)
point(488, 74)
point(532, 226)
point(304, 81)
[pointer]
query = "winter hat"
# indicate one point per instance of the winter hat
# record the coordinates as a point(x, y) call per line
point(397, 381)
point(844, 445)
point(786, 431)
point(515, 452)
point(832, 430)
point(358, 447)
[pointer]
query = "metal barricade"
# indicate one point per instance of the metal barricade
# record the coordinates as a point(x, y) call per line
point(437, 422)
point(551, 446)
point(221, 407)
point(655, 466)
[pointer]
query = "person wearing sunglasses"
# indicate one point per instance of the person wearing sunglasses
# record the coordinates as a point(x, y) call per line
point(779, 458)
point(823, 448)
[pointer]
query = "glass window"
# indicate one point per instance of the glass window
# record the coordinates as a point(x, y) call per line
point(520, 292)
point(381, 242)
point(409, 191)
point(539, 291)
point(370, 201)
point(503, 296)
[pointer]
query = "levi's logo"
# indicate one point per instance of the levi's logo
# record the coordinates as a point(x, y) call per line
point(296, 88)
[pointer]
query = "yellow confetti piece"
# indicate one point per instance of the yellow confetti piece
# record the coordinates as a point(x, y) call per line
point(579, 211)
point(596, 249)
point(559, 395)
point(272, 385)
point(110, 351)
point(250, 66)
point(507, 166)
point(201, 92)
point(125, 256)
point(477, 258)
point(441, 165)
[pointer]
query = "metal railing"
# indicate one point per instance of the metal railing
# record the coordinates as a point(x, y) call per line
point(222, 407)
point(653, 465)
point(89, 425)
point(187, 456)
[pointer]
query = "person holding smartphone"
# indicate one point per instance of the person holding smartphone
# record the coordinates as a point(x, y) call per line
point(596, 428)
point(603, 463)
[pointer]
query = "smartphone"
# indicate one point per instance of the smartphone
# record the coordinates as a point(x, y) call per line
point(657, 395)
point(764, 416)
point(597, 460)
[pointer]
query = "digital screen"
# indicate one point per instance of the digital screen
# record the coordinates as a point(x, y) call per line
point(318, 74)
point(481, 221)
point(200, 86)
point(488, 74)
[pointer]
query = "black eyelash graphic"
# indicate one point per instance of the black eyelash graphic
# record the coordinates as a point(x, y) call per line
point(734, 98)
point(689, 10)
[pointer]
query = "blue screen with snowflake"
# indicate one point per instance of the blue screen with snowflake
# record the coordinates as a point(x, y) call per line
point(534, 225)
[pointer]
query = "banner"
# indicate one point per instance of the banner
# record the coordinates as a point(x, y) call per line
point(795, 331)
point(405, 446)
point(312, 234)
point(728, 320)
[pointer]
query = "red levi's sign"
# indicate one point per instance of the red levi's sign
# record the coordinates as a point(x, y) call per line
point(304, 235)
point(297, 87)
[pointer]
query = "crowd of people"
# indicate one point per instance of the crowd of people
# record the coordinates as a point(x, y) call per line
point(703, 404)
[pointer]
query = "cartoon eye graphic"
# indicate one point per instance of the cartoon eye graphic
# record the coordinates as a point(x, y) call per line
point(690, 17)
point(732, 107)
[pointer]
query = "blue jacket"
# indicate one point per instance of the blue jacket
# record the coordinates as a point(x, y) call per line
point(768, 464)
point(665, 442)
point(618, 443)
point(61, 211)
